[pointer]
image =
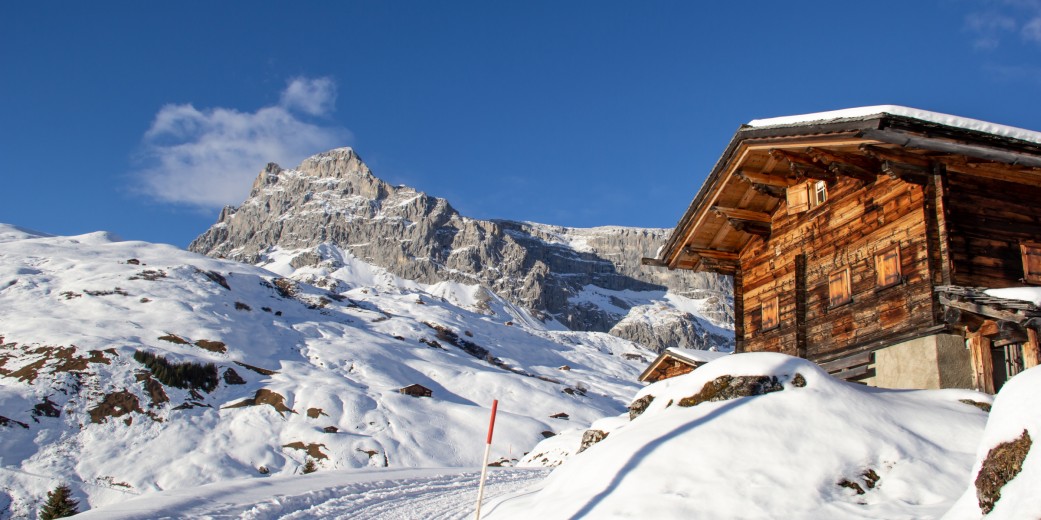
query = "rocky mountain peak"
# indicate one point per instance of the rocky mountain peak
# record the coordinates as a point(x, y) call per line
point(583, 279)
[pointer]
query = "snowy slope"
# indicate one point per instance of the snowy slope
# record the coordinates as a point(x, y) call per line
point(420, 494)
point(1015, 415)
point(305, 372)
point(806, 446)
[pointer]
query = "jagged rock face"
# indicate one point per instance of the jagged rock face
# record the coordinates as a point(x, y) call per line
point(676, 329)
point(334, 198)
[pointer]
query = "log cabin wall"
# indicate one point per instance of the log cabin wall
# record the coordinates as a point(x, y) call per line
point(857, 221)
point(988, 219)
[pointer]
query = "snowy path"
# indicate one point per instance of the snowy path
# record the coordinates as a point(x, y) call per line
point(405, 494)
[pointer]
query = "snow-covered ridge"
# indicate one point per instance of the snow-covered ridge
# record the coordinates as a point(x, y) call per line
point(896, 110)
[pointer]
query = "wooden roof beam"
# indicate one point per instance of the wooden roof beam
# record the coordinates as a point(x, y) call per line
point(714, 254)
point(803, 165)
point(751, 222)
point(861, 162)
point(742, 214)
point(907, 172)
point(768, 185)
point(860, 167)
point(899, 156)
point(766, 179)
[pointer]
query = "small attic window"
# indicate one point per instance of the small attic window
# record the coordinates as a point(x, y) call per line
point(839, 288)
point(1031, 262)
point(806, 196)
point(820, 193)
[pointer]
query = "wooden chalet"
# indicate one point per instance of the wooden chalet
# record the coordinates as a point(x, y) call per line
point(677, 361)
point(862, 240)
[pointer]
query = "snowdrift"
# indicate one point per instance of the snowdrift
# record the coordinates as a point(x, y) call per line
point(765, 435)
point(1006, 477)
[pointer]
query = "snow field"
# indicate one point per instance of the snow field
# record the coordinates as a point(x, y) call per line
point(335, 367)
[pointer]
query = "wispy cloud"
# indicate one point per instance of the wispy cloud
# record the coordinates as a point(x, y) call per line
point(1032, 30)
point(1002, 19)
point(209, 157)
point(988, 28)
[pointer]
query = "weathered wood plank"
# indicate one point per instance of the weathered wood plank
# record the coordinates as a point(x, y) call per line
point(1031, 350)
point(858, 359)
point(982, 363)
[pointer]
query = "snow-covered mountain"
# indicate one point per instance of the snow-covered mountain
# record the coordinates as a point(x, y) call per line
point(129, 367)
point(580, 279)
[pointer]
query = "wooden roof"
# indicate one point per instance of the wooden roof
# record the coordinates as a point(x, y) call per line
point(694, 358)
point(736, 203)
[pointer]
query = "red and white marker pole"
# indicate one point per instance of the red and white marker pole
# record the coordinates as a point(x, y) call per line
point(484, 467)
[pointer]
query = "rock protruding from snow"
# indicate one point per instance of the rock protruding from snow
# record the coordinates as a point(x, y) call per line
point(333, 199)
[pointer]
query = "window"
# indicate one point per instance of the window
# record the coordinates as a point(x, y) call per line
point(806, 196)
point(820, 193)
point(839, 290)
point(770, 315)
point(1031, 262)
point(798, 199)
point(887, 268)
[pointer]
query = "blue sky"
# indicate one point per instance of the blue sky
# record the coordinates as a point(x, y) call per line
point(144, 118)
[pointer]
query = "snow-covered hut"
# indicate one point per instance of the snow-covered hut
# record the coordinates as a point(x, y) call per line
point(673, 362)
point(856, 239)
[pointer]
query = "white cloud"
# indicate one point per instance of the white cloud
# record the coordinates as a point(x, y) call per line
point(1001, 18)
point(1032, 30)
point(988, 28)
point(210, 157)
point(312, 96)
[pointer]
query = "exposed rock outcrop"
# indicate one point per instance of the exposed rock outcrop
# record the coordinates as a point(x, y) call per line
point(585, 279)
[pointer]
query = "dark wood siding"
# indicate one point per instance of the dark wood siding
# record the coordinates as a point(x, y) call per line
point(988, 219)
point(857, 222)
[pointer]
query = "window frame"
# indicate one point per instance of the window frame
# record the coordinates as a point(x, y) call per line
point(819, 190)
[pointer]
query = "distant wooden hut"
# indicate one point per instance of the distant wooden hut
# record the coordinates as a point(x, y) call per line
point(677, 361)
point(416, 390)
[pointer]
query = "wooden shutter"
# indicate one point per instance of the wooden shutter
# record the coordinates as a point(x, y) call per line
point(798, 198)
point(887, 268)
point(839, 292)
point(770, 314)
point(1031, 262)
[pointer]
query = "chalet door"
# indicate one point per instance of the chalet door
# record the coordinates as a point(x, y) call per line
point(1008, 361)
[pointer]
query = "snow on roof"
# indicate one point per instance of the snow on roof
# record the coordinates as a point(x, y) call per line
point(695, 356)
point(1029, 294)
point(923, 115)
